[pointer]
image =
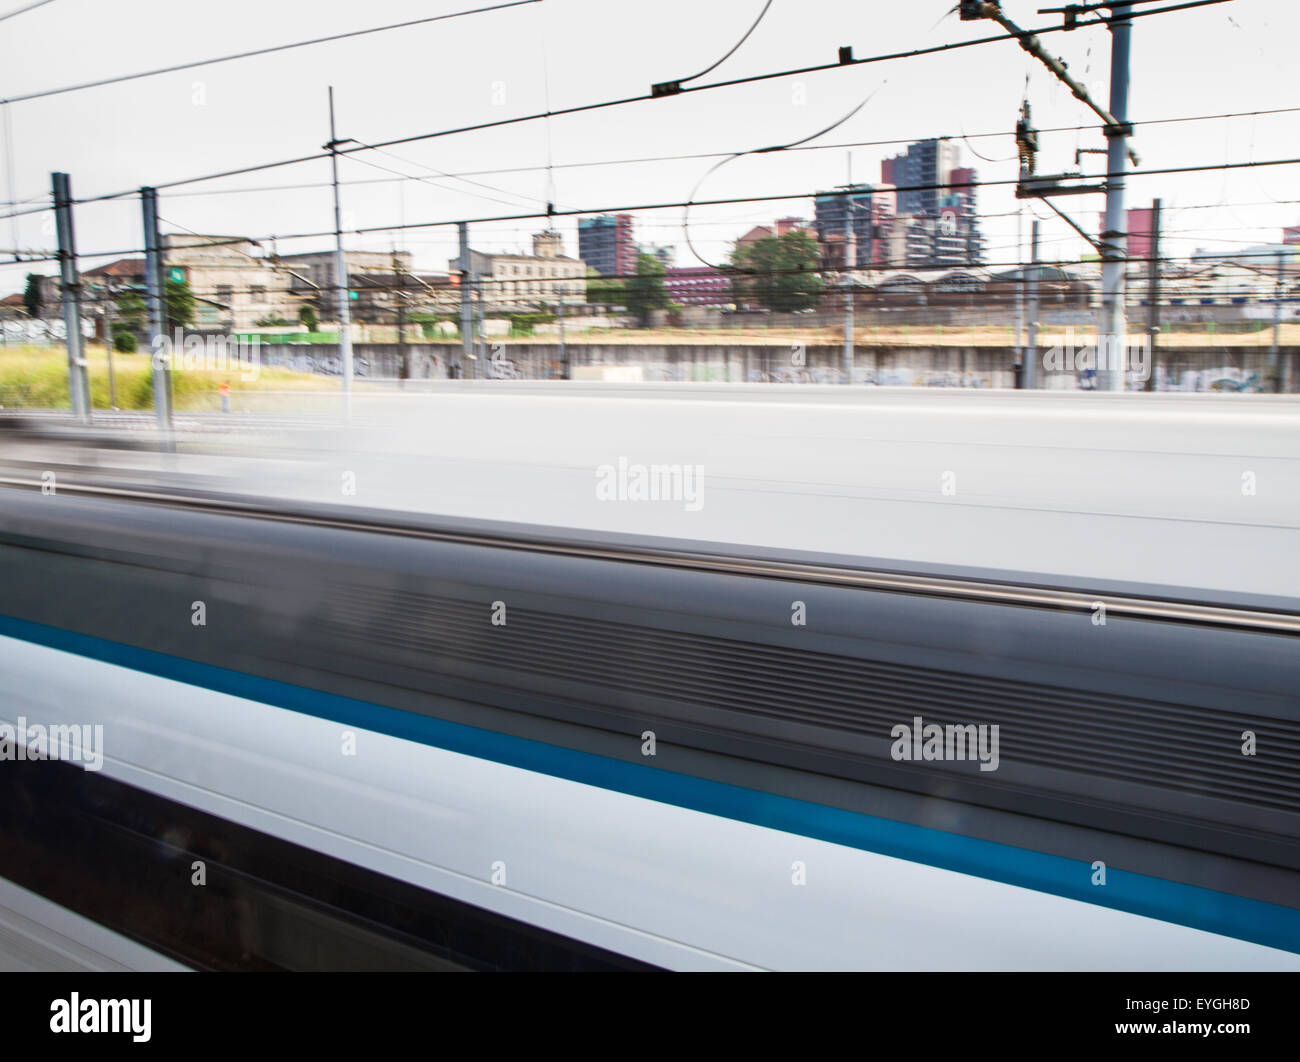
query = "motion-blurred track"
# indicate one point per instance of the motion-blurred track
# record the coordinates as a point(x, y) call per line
point(498, 682)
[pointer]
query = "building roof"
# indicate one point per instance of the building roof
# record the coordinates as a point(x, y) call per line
point(758, 232)
point(123, 267)
point(1043, 273)
point(412, 282)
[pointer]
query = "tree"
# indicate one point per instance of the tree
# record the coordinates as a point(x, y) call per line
point(132, 313)
point(307, 316)
point(32, 301)
point(129, 311)
point(645, 291)
point(779, 272)
point(179, 300)
point(605, 290)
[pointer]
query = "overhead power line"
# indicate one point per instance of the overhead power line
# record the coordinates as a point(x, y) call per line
point(464, 175)
point(258, 51)
point(24, 8)
point(734, 48)
point(725, 201)
point(846, 59)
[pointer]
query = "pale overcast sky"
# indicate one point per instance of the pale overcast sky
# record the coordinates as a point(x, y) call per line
point(1226, 58)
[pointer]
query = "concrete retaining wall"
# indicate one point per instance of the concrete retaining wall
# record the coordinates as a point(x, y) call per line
point(1181, 368)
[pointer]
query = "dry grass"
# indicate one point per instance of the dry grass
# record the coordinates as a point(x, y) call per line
point(37, 377)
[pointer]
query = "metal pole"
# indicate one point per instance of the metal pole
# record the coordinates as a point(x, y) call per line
point(1029, 367)
point(70, 287)
point(403, 368)
point(1020, 291)
point(1274, 381)
point(564, 353)
point(480, 324)
point(154, 298)
point(466, 292)
point(850, 260)
point(1110, 338)
point(1153, 294)
point(341, 270)
point(108, 342)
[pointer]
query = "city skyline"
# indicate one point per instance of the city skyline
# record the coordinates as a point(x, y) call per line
point(212, 121)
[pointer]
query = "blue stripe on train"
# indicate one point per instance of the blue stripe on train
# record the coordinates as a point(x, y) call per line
point(1170, 901)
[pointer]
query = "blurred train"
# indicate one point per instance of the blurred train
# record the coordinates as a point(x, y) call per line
point(334, 738)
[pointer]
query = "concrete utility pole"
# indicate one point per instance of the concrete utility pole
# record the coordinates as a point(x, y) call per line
point(1153, 295)
point(466, 290)
point(1020, 293)
point(1111, 328)
point(1274, 380)
point(848, 318)
point(70, 288)
point(1110, 335)
point(481, 368)
point(108, 341)
point(155, 300)
point(850, 260)
point(564, 353)
point(403, 369)
point(341, 269)
point(1029, 367)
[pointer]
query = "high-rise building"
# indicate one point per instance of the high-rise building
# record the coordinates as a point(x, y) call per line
point(921, 174)
point(864, 209)
point(605, 243)
point(936, 196)
point(666, 254)
point(1139, 223)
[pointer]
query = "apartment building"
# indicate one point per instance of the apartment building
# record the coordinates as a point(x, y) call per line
point(522, 283)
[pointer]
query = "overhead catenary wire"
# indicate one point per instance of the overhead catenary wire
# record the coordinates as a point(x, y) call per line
point(724, 201)
point(696, 156)
point(176, 67)
point(693, 156)
point(450, 176)
point(433, 183)
point(768, 198)
point(604, 104)
point(733, 50)
point(686, 230)
point(24, 9)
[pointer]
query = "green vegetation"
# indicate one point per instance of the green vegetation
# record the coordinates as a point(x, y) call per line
point(307, 317)
point(37, 378)
point(129, 311)
point(179, 300)
point(280, 338)
point(645, 291)
point(606, 291)
point(132, 314)
point(32, 295)
point(522, 324)
point(778, 272)
point(429, 323)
